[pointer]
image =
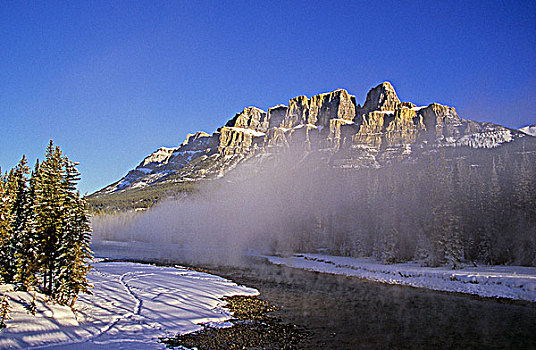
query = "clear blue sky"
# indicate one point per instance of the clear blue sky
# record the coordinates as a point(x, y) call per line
point(112, 81)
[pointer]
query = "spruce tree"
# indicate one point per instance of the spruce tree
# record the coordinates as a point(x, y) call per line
point(26, 256)
point(16, 192)
point(5, 310)
point(525, 194)
point(19, 213)
point(48, 208)
point(5, 215)
point(74, 251)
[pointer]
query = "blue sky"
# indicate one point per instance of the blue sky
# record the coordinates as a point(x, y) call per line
point(112, 81)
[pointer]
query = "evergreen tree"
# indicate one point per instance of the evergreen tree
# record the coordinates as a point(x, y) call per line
point(74, 250)
point(19, 212)
point(6, 241)
point(26, 256)
point(525, 193)
point(494, 220)
point(5, 310)
point(5, 215)
point(62, 228)
point(48, 207)
point(16, 192)
point(451, 228)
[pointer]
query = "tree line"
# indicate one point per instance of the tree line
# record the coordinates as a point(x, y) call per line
point(44, 228)
point(442, 210)
point(445, 206)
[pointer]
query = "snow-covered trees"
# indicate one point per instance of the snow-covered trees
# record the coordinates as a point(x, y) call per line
point(45, 228)
point(5, 310)
point(15, 197)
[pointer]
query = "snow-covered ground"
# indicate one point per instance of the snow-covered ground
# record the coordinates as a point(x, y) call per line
point(512, 282)
point(131, 307)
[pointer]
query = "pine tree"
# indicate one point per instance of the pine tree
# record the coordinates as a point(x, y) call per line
point(19, 213)
point(445, 237)
point(5, 310)
point(451, 224)
point(5, 215)
point(26, 255)
point(495, 218)
point(75, 253)
point(16, 192)
point(434, 239)
point(48, 207)
point(525, 195)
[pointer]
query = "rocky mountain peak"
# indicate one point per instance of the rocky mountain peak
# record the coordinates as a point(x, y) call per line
point(297, 112)
point(337, 104)
point(381, 98)
point(250, 118)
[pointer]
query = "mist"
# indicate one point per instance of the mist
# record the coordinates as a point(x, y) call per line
point(441, 210)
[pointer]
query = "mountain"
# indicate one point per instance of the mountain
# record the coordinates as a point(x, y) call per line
point(329, 126)
point(529, 130)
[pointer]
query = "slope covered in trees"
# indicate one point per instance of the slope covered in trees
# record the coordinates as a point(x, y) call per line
point(449, 206)
point(44, 228)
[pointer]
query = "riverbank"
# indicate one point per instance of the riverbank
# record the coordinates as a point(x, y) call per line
point(509, 282)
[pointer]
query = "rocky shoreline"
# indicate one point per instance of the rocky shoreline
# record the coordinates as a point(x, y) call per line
point(253, 326)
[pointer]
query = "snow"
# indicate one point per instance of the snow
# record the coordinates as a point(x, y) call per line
point(512, 282)
point(418, 108)
point(247, 131)
point(487, 139)
point(348, 122)
point(144, 170)
point(309, 125)
point(139, 184)
point(131, 307)
point(529, 130)
point(385, 112)
point(187, 152)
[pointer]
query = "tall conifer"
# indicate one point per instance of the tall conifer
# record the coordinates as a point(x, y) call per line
point(26, 255)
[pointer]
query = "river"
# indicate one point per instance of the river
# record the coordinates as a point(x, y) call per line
point(349, 313)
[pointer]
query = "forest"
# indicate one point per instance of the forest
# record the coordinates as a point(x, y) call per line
point(449, 207)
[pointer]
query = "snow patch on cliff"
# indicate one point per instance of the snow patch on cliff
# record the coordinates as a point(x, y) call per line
point(487, 139)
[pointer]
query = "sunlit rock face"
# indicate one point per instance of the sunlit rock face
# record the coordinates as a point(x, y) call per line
point(381, 98)
point(324, 108)
point(328, 126)
point(250, 118)
point(238, 141)
point(276, 115)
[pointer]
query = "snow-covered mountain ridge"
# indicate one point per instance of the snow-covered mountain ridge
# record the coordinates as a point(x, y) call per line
point(529, 130)
point(330, 125)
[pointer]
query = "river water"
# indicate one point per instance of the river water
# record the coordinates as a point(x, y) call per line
point(349, 313)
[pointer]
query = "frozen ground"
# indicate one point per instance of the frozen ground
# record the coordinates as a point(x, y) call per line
point(131, 307)
point(512, 282)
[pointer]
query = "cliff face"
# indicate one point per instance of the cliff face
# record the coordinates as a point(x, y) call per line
point(344, 133)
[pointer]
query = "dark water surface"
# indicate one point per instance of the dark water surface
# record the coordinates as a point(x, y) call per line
point(348, 313)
